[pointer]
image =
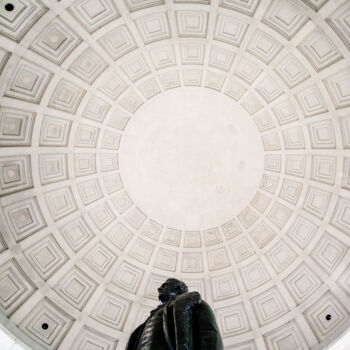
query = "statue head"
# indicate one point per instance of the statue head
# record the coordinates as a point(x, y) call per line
point(171, 288)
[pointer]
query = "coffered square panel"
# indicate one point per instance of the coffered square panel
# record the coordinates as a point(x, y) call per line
point(149, 88)
point(135, 218)
point(251, 103)
point(166, 260)
point(86, 136)
point(66, 97)
point(233, 320)
point(118, 119)
point(324, 169)
point(269, 305)
point(214, 80)
point(294, 138)
point(152, 229)
point(217, 259)
point(224, 286)
point(192, 53)
point(136, 67)
point(246, 7)
point(76, 288)
point(171, 236)
point(230, 30)
point(111, 84)
point(56, 41)
point(292, 71)
point(118, 42)
point(102, 215)
point(322, 134)
point(192, 23)
point(241, 249)
point(315, 4)
point(24, 217)
point(93, 14)
point(28, 82)
point(100, 258)
point(284, 17)
point(341, 215)
point(53, 167)
point(60, 202)
point(264, 47)
point(89, 191)
point(84, 164)
point(77, 233)
point(285, 112)
point(141, 251)
point(346, 173)
point(296, 165)
point(317, 201)
point(192, 77)
point(57, 320)
point(234, 89)
point(262, 235)
point(290, 191)
point(88, 66)
point(254, 275)
point(260, 201)
point(317, 314)
point(163, 56)
point(46, 256)
point(338, 86)
point(119, 235)
point(339, 21)
point(264, 122)
point(131, 101)
point(269, 90)
point(281, 255)
point(247, 70)
point(111, 310)
point(96, 109)
point(319, 50)
point(88, 337)
point(311, 101)
point(271, 142)
point(279, 214)
point(55, 131)
point(16, 23)
point(170, 80)
point(154, 27)
point(192, 239)
point(329, 252)
point(192, 262)
point(269, 183)
point(16, 127)
point(302, 283)
point(15, 174)
point(288, 336)
point(302, 231)
point(128, 277)
point(16, 287)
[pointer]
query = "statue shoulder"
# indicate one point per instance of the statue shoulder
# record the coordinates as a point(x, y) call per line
point(188, 299)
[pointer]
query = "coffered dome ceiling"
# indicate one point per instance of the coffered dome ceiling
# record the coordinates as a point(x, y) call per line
point(205, 140)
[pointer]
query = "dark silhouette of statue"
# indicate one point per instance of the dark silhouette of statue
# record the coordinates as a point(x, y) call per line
point(183, 321)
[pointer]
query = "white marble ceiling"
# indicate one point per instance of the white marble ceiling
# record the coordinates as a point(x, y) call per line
point(203, 139)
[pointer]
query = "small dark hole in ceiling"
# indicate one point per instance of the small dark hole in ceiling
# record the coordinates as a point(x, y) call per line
point(9, 7)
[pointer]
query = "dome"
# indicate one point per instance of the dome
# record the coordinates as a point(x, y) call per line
point(206, 140)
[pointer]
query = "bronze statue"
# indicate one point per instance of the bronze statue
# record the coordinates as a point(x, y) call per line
point(182, 321)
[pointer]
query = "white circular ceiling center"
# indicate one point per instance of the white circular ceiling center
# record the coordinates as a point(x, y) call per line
point(191, 158)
